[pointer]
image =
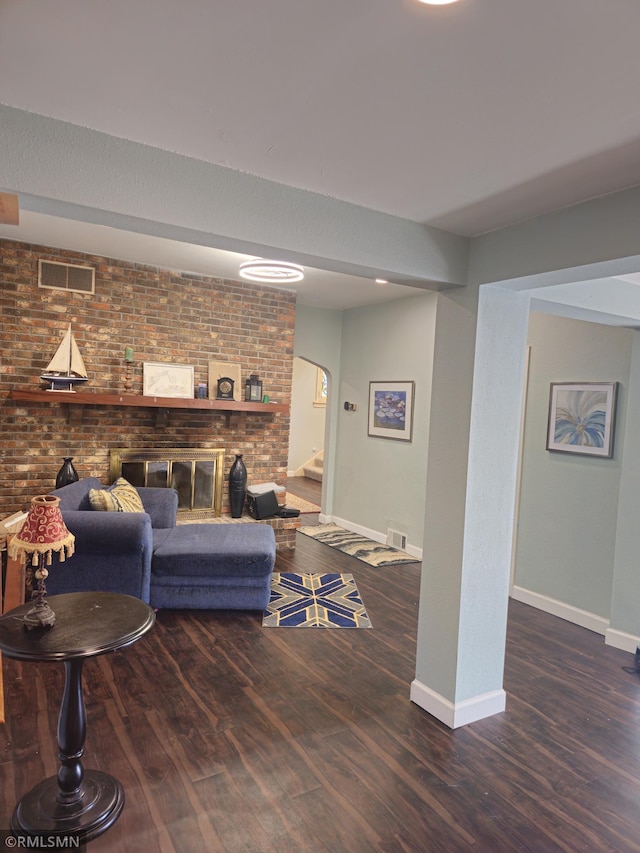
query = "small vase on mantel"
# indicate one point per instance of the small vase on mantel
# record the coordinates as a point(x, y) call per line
point(67, 474)
point(237, 486)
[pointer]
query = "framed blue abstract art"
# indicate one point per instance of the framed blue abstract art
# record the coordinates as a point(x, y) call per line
point(391, 410)
point(581, 417)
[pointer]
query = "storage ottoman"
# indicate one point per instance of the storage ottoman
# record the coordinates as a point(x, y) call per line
point(213, 566)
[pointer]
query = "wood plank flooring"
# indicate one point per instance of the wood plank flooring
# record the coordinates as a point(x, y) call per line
point(305, 487)
point(235, 738)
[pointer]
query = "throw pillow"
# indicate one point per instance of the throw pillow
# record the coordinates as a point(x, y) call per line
point(120, 497)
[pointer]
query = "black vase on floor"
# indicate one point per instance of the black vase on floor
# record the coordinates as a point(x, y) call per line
point(237, 486)
point(67, 474)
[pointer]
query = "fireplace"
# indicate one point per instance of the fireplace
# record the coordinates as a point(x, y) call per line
point(196, 474)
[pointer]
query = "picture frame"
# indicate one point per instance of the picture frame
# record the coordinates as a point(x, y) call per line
point(582, 418)
point(218, 369)
point(160, 379)
point(391, 410)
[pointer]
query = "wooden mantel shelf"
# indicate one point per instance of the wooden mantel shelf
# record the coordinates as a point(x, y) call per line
point(87, 398)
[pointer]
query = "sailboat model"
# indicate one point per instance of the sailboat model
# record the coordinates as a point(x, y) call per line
point(66, 368)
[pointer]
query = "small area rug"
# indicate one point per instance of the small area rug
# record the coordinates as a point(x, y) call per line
point(314, 601)
point(370, 552)
point(300, 503)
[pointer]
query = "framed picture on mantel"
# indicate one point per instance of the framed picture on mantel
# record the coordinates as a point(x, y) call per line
point(167, 380)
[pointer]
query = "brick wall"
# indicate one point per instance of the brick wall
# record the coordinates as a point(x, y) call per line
point(166, 317)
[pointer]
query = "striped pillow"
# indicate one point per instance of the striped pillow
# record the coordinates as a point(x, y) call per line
point(120, 497)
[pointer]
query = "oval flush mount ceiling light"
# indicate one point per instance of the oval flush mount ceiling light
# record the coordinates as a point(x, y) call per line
point(271, 272)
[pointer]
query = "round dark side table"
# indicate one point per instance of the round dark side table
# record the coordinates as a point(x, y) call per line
point(76, 801)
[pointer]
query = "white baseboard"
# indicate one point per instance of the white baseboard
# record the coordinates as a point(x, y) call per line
point(559, 608)
point(460, 713)
point(358, 528)
point(621, 640)
point(370, 534)
point(598, 624)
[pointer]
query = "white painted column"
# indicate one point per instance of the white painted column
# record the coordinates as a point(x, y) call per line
point(624, 626)
point(470, 511)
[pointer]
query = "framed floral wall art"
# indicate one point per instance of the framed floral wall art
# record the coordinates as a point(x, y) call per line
point(391, 410)
point(581, 417)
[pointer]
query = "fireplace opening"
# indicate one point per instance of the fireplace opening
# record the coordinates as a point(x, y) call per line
point(196, 474)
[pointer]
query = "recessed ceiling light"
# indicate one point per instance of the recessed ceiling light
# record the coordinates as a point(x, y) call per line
point(271, 272)
point(438, 2)
point(381, 281)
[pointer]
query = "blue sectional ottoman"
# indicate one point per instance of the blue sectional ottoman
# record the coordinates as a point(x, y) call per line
point(203, 566)
point(145, 554)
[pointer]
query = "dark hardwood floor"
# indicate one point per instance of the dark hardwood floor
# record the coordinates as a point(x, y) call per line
point(305, 487)
point(232, 737)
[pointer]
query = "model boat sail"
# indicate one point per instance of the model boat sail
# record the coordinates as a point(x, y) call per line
point(66, 368)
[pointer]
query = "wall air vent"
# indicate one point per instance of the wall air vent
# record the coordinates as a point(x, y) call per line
point(59, 276)
point(396, 539)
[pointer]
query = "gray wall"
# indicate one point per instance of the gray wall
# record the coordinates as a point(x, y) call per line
point(569, 503)
point(371, 482)
point(380, 483)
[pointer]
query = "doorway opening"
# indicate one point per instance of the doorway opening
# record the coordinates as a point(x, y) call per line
point(309, 395)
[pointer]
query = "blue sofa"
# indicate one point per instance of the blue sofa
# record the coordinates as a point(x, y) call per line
point(145, 554)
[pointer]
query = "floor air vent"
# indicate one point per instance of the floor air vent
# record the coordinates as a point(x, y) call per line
point(59, 276)
point(396, 539)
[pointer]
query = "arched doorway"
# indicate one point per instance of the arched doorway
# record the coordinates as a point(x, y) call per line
point(309, 396)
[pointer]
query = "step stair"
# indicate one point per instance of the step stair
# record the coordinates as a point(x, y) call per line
point(313, 469)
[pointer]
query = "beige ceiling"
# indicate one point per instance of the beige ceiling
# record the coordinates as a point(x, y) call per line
point(467, 117)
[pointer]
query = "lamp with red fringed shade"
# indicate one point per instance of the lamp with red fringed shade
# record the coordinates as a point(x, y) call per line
point(42, 533)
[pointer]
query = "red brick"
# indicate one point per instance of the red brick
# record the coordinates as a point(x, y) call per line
point(165, 317)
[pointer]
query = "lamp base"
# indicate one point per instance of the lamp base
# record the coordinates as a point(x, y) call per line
point(40, 616)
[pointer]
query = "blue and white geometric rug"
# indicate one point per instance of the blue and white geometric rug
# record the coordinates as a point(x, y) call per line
point(314, 601)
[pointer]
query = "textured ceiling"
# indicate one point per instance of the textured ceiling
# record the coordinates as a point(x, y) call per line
point(468, 117)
